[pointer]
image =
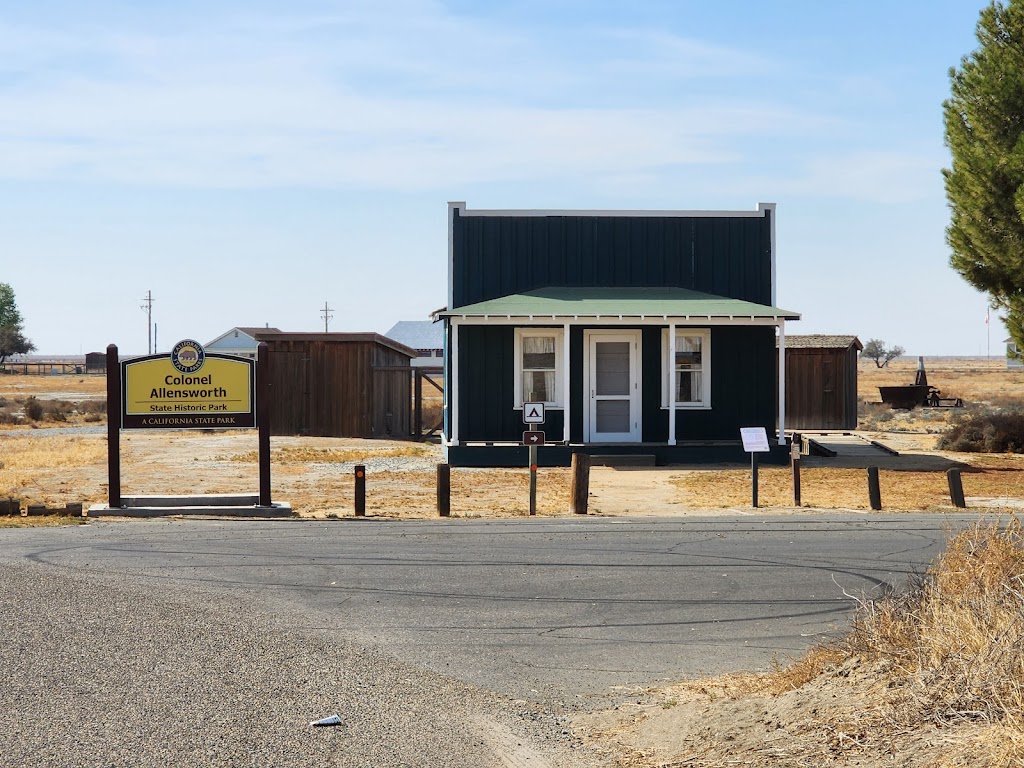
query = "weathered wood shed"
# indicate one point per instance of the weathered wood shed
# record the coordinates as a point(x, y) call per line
point(339, 384)
point(821, 382)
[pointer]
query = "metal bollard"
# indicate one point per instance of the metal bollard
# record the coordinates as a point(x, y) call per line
point(360, 470)
point(444, 490)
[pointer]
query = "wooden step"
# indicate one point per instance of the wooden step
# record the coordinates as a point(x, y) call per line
point(623, 460)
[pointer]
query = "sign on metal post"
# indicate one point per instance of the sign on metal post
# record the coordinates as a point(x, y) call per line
point(755, 441)
point(533, 437)
point(533, 413)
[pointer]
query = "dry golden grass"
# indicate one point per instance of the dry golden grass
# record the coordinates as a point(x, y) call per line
point(836, 488)
point(37, 470)
point(930, 678)
point(306, 455)
point(974, 381)
point(955, 643)
point(41, 521)
point(18, 385)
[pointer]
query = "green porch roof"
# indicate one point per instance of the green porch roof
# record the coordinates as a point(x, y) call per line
point(676, 303)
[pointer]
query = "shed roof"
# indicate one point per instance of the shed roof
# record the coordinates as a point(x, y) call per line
point(418, 334)
point(376, 338)
point(619, 302)
point(821, 341)
point(249, 331)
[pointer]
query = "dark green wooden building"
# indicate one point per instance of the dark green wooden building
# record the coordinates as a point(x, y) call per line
point(642, 332)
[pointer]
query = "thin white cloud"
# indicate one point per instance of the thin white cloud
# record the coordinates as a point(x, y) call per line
point(395, 96)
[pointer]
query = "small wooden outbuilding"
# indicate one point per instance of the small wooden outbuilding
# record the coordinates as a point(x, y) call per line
point(339, 384)
point(821, 382)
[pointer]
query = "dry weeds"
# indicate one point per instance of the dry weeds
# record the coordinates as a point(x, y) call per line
point(930, 678)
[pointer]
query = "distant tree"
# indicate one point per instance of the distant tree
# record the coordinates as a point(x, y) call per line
point(984, 130)
point(876, 350)
point(12, 337)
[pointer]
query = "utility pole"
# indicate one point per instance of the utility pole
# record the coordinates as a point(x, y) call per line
point(147, 305)
point(326, 312)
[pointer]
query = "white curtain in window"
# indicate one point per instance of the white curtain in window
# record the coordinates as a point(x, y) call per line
point(539, 368)
point(689, 369)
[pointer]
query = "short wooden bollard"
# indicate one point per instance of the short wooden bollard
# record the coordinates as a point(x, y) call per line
point(874, 489)
point(956, 488)
point(10, 507)
point(444, 490)
point(796, 482)
point(579, 488)
point(360, 470)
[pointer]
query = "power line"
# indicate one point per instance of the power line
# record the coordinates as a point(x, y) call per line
point(327, 315)
point(147, 306)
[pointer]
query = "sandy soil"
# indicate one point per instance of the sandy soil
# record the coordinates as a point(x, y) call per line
point(848, 716)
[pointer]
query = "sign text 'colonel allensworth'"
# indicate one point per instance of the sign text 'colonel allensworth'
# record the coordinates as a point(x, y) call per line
point(186, 389)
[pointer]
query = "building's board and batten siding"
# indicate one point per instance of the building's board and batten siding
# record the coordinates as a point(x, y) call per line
point(821, 389)
point(497, 256)
point(357, 387)
point(743, 375)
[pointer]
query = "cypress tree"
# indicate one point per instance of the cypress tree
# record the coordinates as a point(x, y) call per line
point(984, 130)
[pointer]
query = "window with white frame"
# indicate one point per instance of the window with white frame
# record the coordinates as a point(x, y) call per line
point(539, 366)
point(690, 373)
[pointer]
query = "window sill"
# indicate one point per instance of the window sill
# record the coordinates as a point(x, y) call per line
point(547, 407)
point(682, 407)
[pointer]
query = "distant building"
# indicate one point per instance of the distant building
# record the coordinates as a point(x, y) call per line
point(239, 341)
point(425, 336)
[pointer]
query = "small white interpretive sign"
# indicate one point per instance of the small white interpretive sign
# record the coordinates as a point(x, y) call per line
point(755, 439)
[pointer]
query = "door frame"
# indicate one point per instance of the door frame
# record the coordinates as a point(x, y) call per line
point(635, 336)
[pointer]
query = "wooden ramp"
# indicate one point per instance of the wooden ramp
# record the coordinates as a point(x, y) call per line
point(845, 445)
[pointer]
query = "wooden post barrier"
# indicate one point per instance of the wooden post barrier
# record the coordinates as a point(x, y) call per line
point(956, 488)
point(579, 488)
point(114, 408)
point(360, 472)
point(263, 394)
point(10, 507)
point(444, 490)
point(753, 479)
point(794, 460)
point(874, 489)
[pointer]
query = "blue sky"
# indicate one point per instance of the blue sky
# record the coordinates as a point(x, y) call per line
point(249, 161)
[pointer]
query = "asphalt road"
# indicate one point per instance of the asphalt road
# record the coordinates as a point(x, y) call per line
point(560, 611)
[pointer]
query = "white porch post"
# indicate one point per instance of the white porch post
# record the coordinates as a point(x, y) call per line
point(566, 391)
point(671, 383)
point(782, 382)
point(453, 398)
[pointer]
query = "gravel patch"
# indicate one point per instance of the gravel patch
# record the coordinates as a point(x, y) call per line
point(104, 671)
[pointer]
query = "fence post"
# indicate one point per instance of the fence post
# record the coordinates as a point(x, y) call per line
point(795, 462)
point(874, 489)
point(956, 488)
point(444, 490)
point(579, 488)
point(360, 470)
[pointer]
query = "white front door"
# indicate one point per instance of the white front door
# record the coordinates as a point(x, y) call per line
point(612, 384)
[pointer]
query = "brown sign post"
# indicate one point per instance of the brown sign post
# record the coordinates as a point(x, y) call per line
point(186, 389)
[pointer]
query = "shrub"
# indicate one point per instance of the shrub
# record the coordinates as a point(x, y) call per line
point(33, 409)
point(986, 433)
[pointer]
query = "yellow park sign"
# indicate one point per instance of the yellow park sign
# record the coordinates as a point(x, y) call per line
point(188, 389)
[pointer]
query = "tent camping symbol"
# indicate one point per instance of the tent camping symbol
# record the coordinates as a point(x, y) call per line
point(533, 413)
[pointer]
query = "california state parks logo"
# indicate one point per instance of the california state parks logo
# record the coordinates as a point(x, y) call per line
point(188, 356)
